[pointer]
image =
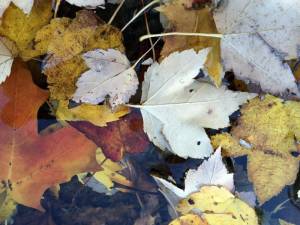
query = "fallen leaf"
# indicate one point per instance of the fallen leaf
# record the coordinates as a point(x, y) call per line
point(64, 40)
point(31, 163)
point(210, 172)
point(87, 3)
point(219, 206)
point(283, 222)
point(270, 128)
point(169, 88)
point(199, 21)
point(98, 115)
point(22, 28)
point(124, 135)
point(256, 42)
point(24, 5)
point(110, 75)
point(6, 60)
point(189, 219)
point(7, 206)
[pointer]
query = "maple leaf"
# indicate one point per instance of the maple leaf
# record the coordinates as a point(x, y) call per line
point(31, 163)
point(169, 88)
point(210, 172)
point(22, 28)
point(124, 135)
point(256, 42)
point(64, 40)
point(110, 75)
point(98, 115)
point(24, 5)
point(187, 20)
point(218, 206)
point(189, 219)
point(270, 127)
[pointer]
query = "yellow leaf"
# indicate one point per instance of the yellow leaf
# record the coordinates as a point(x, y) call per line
point(64, 40)
point(98, 115)
point(189, 20)
point(189, 219)
point(219, 207)
point(22, 28)
point(7, 206)
point(269, 126)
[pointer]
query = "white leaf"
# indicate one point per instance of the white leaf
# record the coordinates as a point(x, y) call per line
point(259, 35)
point(210, 172)
point(110, 75)
point(176, 107)
point(6, 61)
point(87, 3)
point(25, 5)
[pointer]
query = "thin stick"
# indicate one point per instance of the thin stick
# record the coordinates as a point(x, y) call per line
point(116, 12)
point(57, 4)
point(181, 34)
point(139, 13)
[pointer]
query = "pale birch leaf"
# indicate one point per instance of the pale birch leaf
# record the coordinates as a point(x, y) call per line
point(176, 107)
point(259, 36)
point(6, 61)
point(87, 3)
point(110, 75)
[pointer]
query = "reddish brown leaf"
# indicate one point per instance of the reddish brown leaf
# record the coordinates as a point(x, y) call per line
point(124, 135)
point(29, 162)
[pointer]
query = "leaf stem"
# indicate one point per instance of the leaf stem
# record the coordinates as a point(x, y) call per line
point(116, 12)
point(181, 34)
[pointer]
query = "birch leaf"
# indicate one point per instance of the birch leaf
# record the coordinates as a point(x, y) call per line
point(260, 41)
point(25, 5)
point(210, 172)
point(6, 61)
point(176, 107)
point(110, 75)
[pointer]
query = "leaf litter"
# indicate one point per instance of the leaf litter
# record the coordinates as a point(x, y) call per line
point(114, 127)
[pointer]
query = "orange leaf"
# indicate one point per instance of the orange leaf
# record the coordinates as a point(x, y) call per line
point(31, 163)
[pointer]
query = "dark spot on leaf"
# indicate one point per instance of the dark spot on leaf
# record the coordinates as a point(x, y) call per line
point(191, 201)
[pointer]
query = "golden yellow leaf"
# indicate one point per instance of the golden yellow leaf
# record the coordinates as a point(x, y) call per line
point(64, 40)
point(22, 28)
point(219, 207)
point(266, 132)
point(98, 115)
point(7, 206)
point(190, 20)
point(189, 219)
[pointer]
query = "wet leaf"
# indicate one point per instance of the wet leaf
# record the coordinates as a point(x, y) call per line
point(30, 161)
point(169, 88)
point(119, 137)
point(189, 20)
point(189, 219)
point(64, 40)
point(87, 3)
point(219, 206)
point(24, 5)
point(99, 115)
point(110, 75)
point(22, 28)
point(270, 127)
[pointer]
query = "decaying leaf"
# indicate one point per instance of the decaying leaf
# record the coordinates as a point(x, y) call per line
point(189, 219)
point(110, 75)
point(31, 163)
point(99, 115)
point(64, 40)
point(119, 137)
point(270, 126)
point(25, 5)
point(210, 172)
point(176, 107)
point(87, 3)
point(219, 206)
point(189, 20)
point(257, 40)
point(22, 28)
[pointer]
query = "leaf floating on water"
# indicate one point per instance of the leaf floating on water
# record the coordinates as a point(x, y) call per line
point(169, 88)
point(189, 219)
point(110, 75)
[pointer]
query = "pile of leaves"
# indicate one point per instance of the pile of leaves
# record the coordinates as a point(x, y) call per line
point(87, 110)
